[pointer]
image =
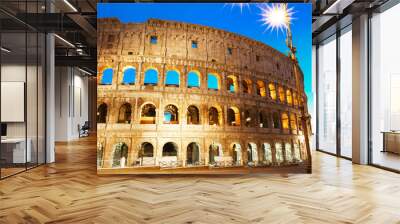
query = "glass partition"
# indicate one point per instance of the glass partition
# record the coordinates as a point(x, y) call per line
point(385, 89)
point(327, 96)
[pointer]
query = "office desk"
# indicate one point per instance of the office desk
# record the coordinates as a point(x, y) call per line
point(13, 150)
point(391, 142)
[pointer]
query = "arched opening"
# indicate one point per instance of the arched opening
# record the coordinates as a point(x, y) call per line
point(288, 152)
point(193, 115)
point(276, 120)
point(170, 149)
point(151, 77)
point(293, 122)
point(247, 118)
point(125, 113)
point(267, 153)
point(214, 116)
point(278, 153)
point(148, 115)
point(246, 84)
point(107, 76)
point(237, 153)
point(100, 154)
point(146, 154)
point(192, 153)
point(272, 91)
point(215, 150)
point(171, 114)
point(102, 113)
point(231, 84)
point(233, 116)
point(252, 152)
point(261, 88)
point(281, 94)
point(172, 78)
point(193, 79)
point(297, 154)
point(120, 155)
point(285, 121)
point(212, 81)
point(289, 98)
point(129, 76)
point(263, 117)
point(295, 100)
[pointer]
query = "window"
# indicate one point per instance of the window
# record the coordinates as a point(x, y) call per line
point(267, 153)
point(288, 152)
point(146, 150)
point(148, 115)
point(151, 77)
point(247, 118)
point(276, 120)
point(107, 76)
point(246, 86)
point(257, 58)
point(229, 51)
point(285, 121)
point(213, 81)
point(278, 153)
point(263, 119)
point(172, 78)
point(171, 115)
point(120, 155)
point(153, 39)
point(125, 113)
point(293, 121)
point(192, 153)
point(193, 79)
point(193, 115)
point(129, 76)
point(194, 44)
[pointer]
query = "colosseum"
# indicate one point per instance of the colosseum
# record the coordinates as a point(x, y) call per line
point(179, 98)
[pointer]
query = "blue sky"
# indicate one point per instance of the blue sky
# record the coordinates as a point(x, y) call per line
point(245, 21)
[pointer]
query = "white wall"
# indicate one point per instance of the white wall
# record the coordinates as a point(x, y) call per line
point(71, 102)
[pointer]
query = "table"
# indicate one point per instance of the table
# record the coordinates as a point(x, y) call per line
point(13, 150)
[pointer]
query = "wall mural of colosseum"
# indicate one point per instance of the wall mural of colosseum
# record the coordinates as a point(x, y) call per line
point(178, 97)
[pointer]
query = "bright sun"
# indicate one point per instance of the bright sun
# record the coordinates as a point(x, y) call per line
point(276, 16)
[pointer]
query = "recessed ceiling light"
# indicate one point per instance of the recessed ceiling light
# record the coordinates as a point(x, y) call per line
point(5, 50)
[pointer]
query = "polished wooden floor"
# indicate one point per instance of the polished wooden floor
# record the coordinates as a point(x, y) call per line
point(69, 191)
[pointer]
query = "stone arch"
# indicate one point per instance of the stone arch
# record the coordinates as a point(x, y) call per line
point(193, 153)
point(246, 86)
point(272, 91)
point(252, 153)
point(289, 98)
point(261, 91)
point(102, 111)
point(120, 155)
point(129, 76)
point(232, 84)
point(107, 76)
point(285, 120)
point(288, 152)
point(281, 93)
point(215, 115)
point(248, 119)
point(213, 81)
point(267, 149)
point(172, 78)
point(297, 153)
point(263, 119)
point(170, 149)
point(214, 150)
point(293, 122)
point(276, 121)
point(233, 116)
point(278, 153)
point(193, 115)
point(236, 153)
point(150, 77)
point(125, 113)
point(193, 79)
point(148, 113)
point(171, 114)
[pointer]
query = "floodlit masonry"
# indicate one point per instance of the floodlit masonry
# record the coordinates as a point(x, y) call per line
point(183, 95)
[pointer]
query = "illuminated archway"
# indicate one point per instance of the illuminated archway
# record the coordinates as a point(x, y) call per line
point(272, 91)
point(193, 115)
point(102, 113)
point(285, 121)
point(171, 114)
point(233, 116)
point(148, 114)
point(125, 113)
point(261, 88)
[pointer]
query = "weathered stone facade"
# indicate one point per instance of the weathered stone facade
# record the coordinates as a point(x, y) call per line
point(256, 100)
